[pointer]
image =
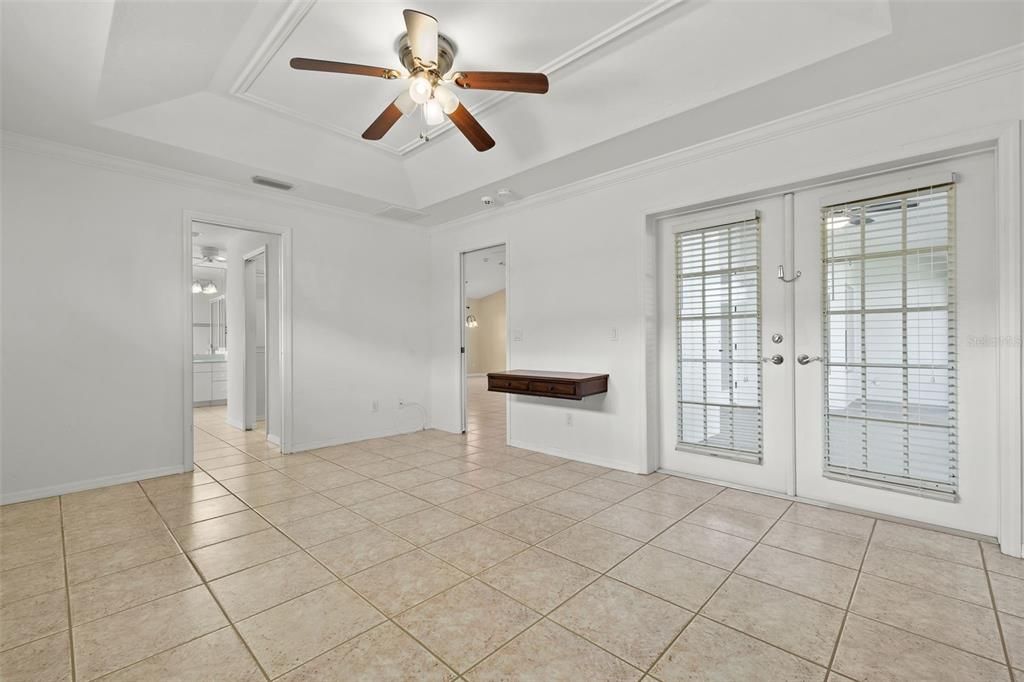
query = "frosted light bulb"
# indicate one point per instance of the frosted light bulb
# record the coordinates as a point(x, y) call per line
point(432, 112)
point(420, 89)
point(210, 288)
point(197, 288)
point(449, 102)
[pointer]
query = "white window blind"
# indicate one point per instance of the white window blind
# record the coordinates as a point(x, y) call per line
point(890, 341)
point(718, 303)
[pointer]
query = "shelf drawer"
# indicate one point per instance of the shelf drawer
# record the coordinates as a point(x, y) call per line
point(552, 388)
point(508, 384)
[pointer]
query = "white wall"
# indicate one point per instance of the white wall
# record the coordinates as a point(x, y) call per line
point(575, 258)
point(486, 343)
point(89, 400)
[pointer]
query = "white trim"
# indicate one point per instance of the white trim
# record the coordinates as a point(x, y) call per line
point(188, 396)
point(234, 424)
point(463, 366)
point(101, 482)
point(120, 164)
point(577, 457)
point(1009, 154)
point(650, 418)
point(789, 329)
point(245, 355)
point(975, 70)
point(331, 442)
point(284, 327)
point(463, 351)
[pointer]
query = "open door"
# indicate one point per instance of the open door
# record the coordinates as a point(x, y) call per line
point(255, 339)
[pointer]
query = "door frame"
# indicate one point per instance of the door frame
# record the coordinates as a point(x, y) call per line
point(1007, 141)
point(463, 374)
point(252, 255)
point(285, 327)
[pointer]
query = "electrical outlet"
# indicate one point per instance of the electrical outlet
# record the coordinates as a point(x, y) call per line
point(568, 418)
point(375, 406)
point(517, 334)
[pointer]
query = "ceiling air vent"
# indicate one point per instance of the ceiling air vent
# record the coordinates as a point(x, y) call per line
point(400, 213)
point(271, 182)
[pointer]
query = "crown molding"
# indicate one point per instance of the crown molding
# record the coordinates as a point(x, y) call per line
point(985, 67)
point(296, 12)
point(38, 146)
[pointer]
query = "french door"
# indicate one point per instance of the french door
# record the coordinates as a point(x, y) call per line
point(896, 314)
point(867, 381)
point(723, 330)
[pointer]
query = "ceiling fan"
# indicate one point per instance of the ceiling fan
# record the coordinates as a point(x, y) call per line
point(428, 57)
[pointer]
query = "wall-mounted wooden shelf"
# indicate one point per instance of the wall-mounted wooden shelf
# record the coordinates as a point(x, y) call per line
point(566, 385)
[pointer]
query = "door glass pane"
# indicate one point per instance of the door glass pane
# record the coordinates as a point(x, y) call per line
point(719, 340)
point(889, 341)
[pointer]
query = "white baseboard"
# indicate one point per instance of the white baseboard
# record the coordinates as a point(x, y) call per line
point(586, 459)
point(316, 445)
point(275, 439)
point(235, 424)
point(77, 486)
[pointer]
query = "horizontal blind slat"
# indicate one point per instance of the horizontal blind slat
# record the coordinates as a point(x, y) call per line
point(719, 339)
point(889, 340)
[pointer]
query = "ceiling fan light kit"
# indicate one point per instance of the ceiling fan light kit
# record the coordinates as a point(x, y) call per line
point(428, 57)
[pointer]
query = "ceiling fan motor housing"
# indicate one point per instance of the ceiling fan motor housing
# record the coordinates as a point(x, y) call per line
point(446, 51)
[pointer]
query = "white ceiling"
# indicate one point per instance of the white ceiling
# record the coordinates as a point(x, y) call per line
point(204, 87)
point(490, 37)
point(484, 271)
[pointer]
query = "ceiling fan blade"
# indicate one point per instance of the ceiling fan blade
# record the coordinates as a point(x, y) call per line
point(508, 81)
point(304, 64)
point(380, 127)
point(471, 128)
point(422, 30)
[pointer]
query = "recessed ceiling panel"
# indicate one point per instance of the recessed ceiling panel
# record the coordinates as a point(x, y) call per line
point(498, 36)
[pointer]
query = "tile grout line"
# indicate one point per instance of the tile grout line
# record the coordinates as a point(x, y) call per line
point(67, 589)
point(700, 611)
point(849, 602)
point(522, 505)
point(995, 610)
point(213, 596)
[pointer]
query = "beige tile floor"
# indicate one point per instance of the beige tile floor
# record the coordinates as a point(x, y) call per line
point(432, 556)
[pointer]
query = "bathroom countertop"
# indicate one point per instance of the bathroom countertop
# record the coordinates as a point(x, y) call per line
point(198, 359)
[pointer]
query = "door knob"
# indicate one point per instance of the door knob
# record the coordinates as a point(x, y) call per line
point(805, 359)
point(775, 359)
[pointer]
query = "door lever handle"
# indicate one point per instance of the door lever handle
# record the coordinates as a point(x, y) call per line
point(774, 359)
point(805, 359)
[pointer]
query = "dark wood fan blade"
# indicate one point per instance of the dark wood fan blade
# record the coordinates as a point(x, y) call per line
point(304, 64)
point(508, 81)
point(382, 125)
point(471, 128)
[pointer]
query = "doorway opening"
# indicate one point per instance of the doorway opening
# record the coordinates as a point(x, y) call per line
point(484, 333)
point(236, 393)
